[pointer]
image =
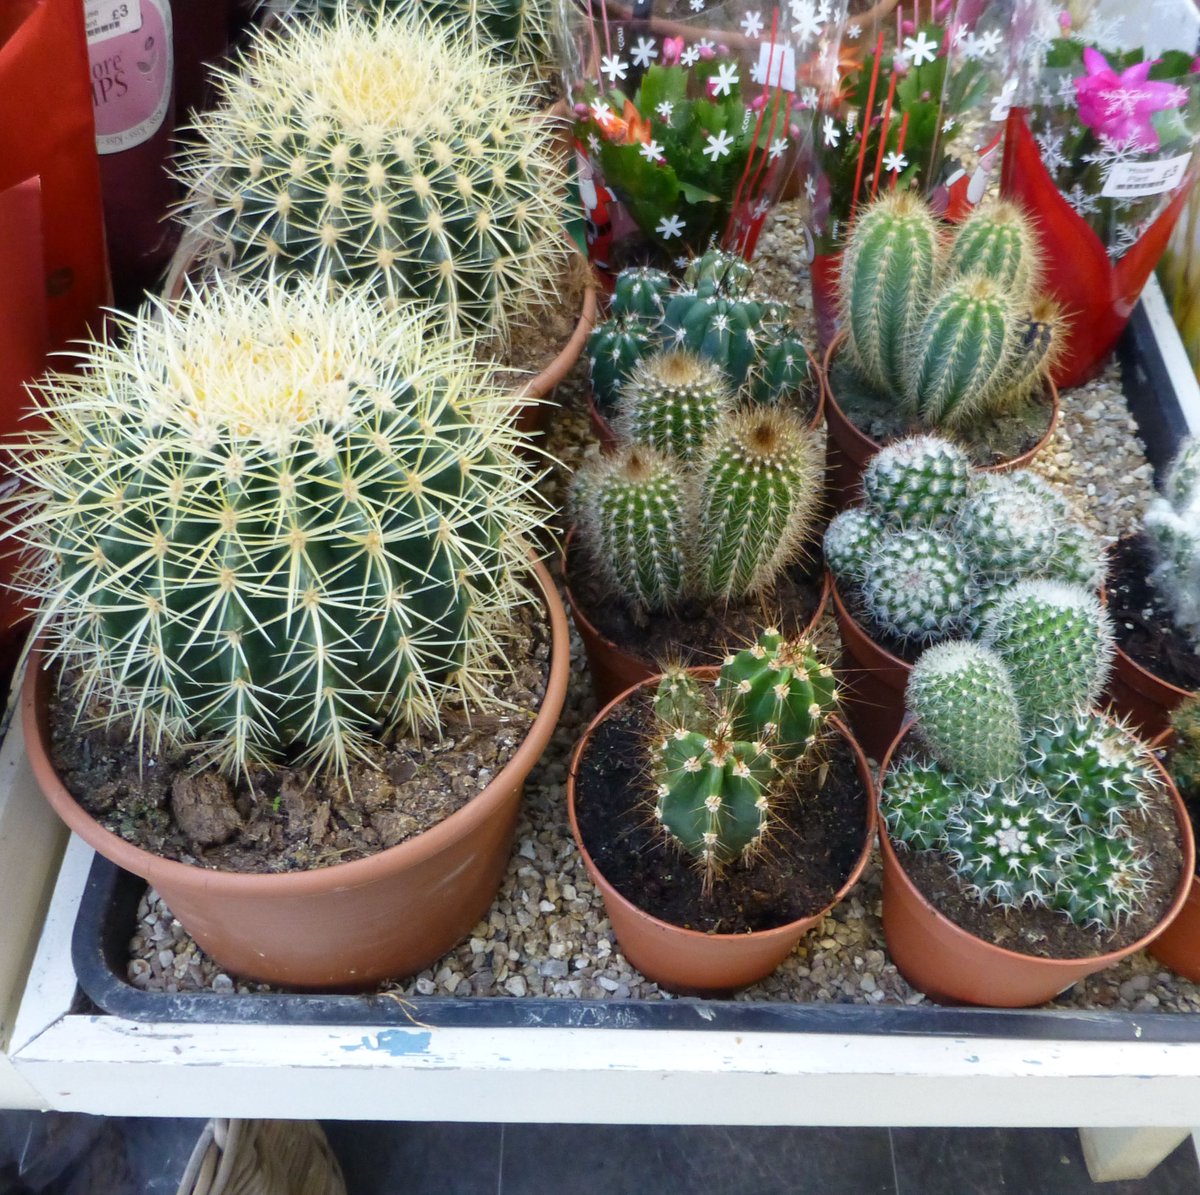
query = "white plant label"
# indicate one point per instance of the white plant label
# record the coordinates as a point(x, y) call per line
point(1135, 180)
point(776, 66)
point(111, 18)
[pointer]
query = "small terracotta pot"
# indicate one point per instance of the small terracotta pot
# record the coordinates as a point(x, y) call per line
point(350, 925)
point(847, 449)
point(951, 965)
point(1135, 693)
point(612, 668)
point(875, 680)
point(685, 960)
point(1178, 946)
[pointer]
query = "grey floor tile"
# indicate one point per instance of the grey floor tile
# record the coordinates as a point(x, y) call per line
point(694, 1160)
point(1020, 1162)
point(381, 1158)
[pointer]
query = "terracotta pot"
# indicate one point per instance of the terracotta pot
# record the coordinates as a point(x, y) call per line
point(951, 965)
point(612, 668)
point(685, 960)
point(1136, 694)
point(1178, 946)
point(350, 925)
point(848, 449)
point(875, 680)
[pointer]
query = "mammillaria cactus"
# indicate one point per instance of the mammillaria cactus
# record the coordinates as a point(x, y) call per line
point(1009, 532)
point(384, 153)
point(1173, 527)
point(1185, 755)
point(672, 402)
point(276, 522)
point(920, 479)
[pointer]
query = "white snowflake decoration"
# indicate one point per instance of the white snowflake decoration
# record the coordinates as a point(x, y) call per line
point(921, 48)
point(593, 143)
point(807, 22)
point(650, 150)
point(948, 124)
point(690, 56)
point(1002, 103)
point(809, 97)
point(854, 32)
point(644, 51)
point(601, 109)
point(697, 5)
point(1112, 153)
point(758, 73)
point(1051, 144)
point(810, 188)
point(894, 162)
point(668, 227)
point(988, 42)
point(778, 147)
point(717, 146)
point(665, 110)
point(761, 208)
point(1083, 201)
point(614, 67)
point(752, 24)
point(724, 80)
point(831, 132)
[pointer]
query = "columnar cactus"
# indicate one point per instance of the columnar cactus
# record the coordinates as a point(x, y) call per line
point(680, 700)
point(717, 272)
point(276, 522)
point(721, 327)
point(920, 479)
point(1185, 753)
point(1172, 525)
point(641, 291)
point(995, 240)
point(672, 402)
point(614, 350)
point(385, 153)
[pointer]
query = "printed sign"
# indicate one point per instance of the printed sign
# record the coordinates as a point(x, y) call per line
point(1135, 180)
point(111, 18)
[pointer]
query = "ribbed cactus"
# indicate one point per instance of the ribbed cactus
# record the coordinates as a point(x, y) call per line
point(759, 492)
point(640, 291)
point(782, 367)
point(966, 711)
point(779, 691)
point(851, 539)
point(672, 402)
point(919, 797)
point(276, 522)
point(996, 240)
point(383, 153)
point(680, 699)
point(918, 586)
point(1007, 530)
point(1106, 882)
point(724, 329)
point(636, 523)
point(614, 349)
point(1172, 525)
point(718, 273)
point(1057, 641)
point(888, 275)
point(1185, 753)
point(921, 480)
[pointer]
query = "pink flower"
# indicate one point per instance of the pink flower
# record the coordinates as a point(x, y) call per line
point(672, 49)
point(1119, 106)
point(706, 51)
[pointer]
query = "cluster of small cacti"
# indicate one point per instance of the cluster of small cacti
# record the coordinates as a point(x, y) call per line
point(936, 544)
point(716, 523)
point(276, 523)
point(719, 752)
point(1029, 794)
point(381, 152)
point(1173, 526)
point(953, 333)
point(714, 315)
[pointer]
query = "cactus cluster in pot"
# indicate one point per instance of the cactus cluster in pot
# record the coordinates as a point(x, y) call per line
point(936, 543)
point(947, 323)
point(381, 152)
point(1172, 526)
point(721, 755)
point(1185, 749)
point(276, 523)
point(1033, 798)
point(714, 315)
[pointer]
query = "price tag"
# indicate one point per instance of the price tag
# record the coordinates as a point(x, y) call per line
point(1135, 180)
point(776, 66)
point(111, 18)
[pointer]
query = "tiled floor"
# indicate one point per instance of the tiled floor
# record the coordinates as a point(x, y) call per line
point(65, 1155)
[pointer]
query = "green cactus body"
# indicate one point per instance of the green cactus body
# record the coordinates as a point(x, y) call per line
point(918, 586)
point(962, 349)
point(718, 273)
point(759, 484)
point(920, 480)
point(1007, 530)
point(919, 798)
point(385, 154)
point(641, 292)
point(1181, 486)
point(851, 539)
point(636, 527)
point(1106, 881)
point(782, 368)
point(1185, 755)
point(672, 402)
point(1078, 557)
point(614, 350)
point(777, 691)
point(1172, 525)
point(712, 796)
point(888, 276)
point(725, 330)
point(995, 240)
point(277, 522)
point(966, 711)
point(1057, 641)
point(679, 700)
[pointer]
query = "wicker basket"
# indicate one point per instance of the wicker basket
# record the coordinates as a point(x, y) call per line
point(262, 1157)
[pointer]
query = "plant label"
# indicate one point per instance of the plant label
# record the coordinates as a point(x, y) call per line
point(776, 66)
point(1134, 180)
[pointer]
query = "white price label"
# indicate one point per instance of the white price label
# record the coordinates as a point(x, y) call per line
point(1135, 180)
point(776, 66)
point(111, 18)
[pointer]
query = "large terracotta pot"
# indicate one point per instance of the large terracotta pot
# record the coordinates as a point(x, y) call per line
point(687, 961)
point(951, 965)
point(353, 924)
point(611, 667)
point(847, 449)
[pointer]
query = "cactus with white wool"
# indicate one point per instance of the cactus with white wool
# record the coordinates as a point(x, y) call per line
point(1172, 525)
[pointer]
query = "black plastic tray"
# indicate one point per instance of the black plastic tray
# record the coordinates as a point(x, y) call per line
point(108, 914)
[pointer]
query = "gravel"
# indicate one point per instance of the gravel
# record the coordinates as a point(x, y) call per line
point(546, 935)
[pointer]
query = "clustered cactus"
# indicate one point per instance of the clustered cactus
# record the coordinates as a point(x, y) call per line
point(1032, 797)
point(719, 753)
point(1173, 526)
point(1185, 751)
point(714, 315)
point(276, 523)
point(952, 333)
point(382, 152)
point(936, 543)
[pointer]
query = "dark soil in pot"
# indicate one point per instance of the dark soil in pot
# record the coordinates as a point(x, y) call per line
point(289, 818)
point(1145, 629)
point(696, 632)
point(1046, 933)
point(989, 441)
point(816, 841)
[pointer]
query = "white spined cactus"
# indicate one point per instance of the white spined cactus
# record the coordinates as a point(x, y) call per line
point(1173, 527)
point(382, 151)
point(275, 524)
